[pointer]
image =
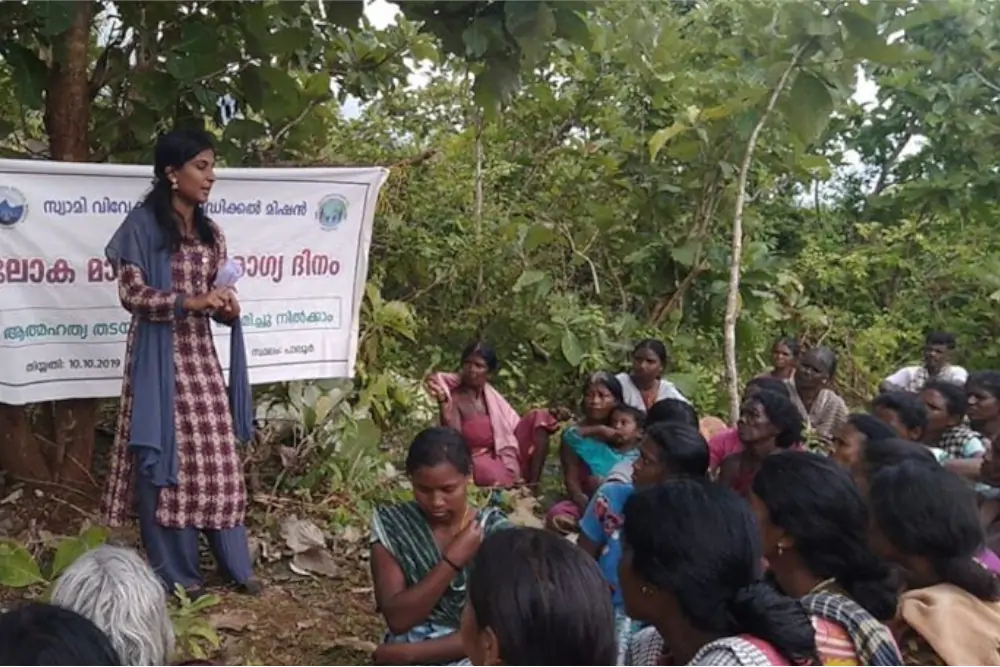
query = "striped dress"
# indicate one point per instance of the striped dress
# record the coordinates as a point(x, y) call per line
point(404, 532)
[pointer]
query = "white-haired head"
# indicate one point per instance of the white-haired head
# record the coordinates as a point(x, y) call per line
point(117, 590)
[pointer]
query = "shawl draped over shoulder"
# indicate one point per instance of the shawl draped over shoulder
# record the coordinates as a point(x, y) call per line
point(140, 242)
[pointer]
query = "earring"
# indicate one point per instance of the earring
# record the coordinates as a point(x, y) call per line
point(173, 185)
point(781, 549)
point(646, 590)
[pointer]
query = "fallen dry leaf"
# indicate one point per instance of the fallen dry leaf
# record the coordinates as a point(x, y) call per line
point(301, 535)
point(315, 561)
point(351, 534)
point(233, 621)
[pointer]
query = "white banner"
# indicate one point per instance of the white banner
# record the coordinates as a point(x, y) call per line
point(302, 236)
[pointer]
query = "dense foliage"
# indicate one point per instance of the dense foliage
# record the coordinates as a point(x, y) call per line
point(564, 177)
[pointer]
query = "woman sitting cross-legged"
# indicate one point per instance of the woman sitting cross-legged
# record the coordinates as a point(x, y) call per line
point(814, 523)
point(535, 599)
point(421, 552)
point(506, 448)
point(691, 568)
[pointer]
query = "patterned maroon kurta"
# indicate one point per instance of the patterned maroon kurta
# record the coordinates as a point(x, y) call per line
point(210, 492)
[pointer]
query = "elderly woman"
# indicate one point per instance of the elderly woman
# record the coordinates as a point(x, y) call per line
point(118, 591)
point(821, 406)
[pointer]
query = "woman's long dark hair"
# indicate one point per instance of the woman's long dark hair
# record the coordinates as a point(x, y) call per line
point(545, 600)
point(699, 542)
point(930, 512)
point(175, 149)
point(817, 504)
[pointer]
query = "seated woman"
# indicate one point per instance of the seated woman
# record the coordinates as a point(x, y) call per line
point(117, 590)
point(769, 422)
point(903, 411)
point(784, 359)
point(926, 522)
point(535, 599)
point(592, 448)
point(983, 391)
point(690, 568)
point(506, 448)
point(668, 450)
point(45, 634)
point(421, 551)
point(725, 442)
point(850, 438)
point(956, 446)
point(813, 524)
point(645, 385)
point(822, 408)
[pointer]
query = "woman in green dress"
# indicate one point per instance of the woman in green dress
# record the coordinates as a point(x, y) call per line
point(421, 551)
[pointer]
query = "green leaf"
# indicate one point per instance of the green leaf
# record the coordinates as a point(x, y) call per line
point(368, 432)
point(526, 279)
point(662, 136)
point(685, 254)
point(808, 107)
point(57, 17)
point(18, 568)
point(282, 99)
point(812, 162)
point(571, 350)
point(69, 549)
point(424, 49)
point(244, 131)
point(532, 24)
point(686, 383)
point(95, 536)
point(476, 39)
point(28, 74)
point(537, 235)
point(318, 85)
point(346, 13)
point(571, 26)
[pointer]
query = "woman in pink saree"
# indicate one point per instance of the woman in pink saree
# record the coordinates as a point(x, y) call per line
point(506, 448)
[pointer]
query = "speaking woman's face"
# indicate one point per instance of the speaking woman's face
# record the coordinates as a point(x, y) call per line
point(193, 180)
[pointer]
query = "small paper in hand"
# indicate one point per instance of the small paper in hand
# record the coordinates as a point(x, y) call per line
point(229, 273)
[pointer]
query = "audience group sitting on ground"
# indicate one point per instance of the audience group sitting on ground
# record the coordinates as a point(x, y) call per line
point(800, 535)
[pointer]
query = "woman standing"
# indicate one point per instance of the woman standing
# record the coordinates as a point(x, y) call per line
point(822, 407)
point(175, 445)
point(645, 384)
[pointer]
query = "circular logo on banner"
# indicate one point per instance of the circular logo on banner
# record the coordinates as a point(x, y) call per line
point(13, 207)
point(332, 212)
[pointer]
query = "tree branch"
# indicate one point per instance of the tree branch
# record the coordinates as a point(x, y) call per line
point(733, 296)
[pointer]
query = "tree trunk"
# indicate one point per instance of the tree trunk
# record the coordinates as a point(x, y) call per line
point(67, 119)
point(735, 265)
